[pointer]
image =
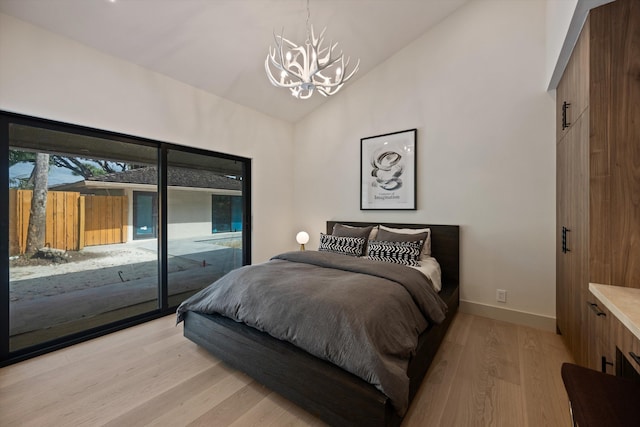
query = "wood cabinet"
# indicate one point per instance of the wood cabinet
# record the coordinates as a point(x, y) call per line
point(601, 346)
point(572, 179)
point(614, 326)
point(627, 344)
point(598, 169)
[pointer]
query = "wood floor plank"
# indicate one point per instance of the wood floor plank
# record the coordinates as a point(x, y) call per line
point(232, 408)
point(106, 346)
point(472, 381)
point(265, 413)
point(293, 415)
point(486, 373)
point(429, 403)
point(488, 367)
point(541, 361)
point(200, 403)
point(458, 332)
point(152, 376)
point(177, 396)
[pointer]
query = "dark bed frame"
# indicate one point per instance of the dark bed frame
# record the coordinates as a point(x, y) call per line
point(323, 389)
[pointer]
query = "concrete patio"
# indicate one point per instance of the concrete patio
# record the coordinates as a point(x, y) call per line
point(122, 280)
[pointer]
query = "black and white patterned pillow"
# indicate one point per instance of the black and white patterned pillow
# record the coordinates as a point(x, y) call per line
point(405, 253)
point(352, 246)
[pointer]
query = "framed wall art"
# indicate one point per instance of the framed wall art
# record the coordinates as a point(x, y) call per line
point(388, 171)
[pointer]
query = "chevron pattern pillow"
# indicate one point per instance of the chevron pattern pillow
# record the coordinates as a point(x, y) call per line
point(352, 246)
point(405, 253)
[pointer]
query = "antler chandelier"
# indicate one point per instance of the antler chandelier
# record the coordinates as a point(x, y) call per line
point(305, 68)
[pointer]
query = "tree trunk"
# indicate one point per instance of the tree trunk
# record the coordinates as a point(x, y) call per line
point(38, 215)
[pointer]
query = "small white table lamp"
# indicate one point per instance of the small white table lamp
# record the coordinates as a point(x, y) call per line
point(302, 238)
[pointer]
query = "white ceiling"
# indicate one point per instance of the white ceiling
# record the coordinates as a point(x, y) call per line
point(220, 45)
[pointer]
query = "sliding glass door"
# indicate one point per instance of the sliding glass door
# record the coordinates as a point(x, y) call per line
point(71, 267)
point(197, 254)
point(101, 230)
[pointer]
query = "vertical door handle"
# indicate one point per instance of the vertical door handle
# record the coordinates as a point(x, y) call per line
point(565, 123)
point(565, 248)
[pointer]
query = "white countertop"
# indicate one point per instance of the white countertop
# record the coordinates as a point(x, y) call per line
point(624, 303)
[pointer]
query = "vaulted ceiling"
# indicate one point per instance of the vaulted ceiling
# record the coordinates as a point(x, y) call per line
point(220, 45)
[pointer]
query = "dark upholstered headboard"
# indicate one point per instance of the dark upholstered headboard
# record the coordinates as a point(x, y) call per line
point(445, 245)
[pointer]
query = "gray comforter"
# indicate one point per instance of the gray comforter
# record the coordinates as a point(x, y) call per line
point(364, 316)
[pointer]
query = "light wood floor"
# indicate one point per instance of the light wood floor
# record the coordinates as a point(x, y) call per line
point(487, 373)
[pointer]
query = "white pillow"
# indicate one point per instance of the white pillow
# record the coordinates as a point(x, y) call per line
point(431, 268)
point(426, 249)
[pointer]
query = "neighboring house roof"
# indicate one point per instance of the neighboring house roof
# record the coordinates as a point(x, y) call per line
point(176, 177)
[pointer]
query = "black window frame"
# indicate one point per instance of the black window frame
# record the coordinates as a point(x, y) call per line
point(6, 118)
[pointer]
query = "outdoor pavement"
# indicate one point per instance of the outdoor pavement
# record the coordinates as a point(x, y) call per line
point(59, 295)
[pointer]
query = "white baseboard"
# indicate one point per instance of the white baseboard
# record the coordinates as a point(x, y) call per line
point(507, 315)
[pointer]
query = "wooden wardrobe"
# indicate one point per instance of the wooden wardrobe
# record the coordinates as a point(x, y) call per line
point(598, 169)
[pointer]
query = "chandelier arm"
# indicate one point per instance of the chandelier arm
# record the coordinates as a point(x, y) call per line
point(289, 42)
point(280, 65)
point(326, 60)
point(289, 85)
point(331, 63)
point(275, 81)
point(269, 74)
point(280, 48)
point(328, 92)
point(344, 77)
point(293, 66)
point(314, 40)
point(272, 58)
point(307, 96)
point(355, 70)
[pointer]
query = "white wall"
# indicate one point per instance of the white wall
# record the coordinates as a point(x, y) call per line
point(475, 88)
point(559, 15)
point(45, 75)
point(565, 19)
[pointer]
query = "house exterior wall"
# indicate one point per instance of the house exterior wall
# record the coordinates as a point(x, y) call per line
point(189, 214)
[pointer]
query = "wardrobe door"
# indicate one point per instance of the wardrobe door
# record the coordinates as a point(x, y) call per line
point(573, 205)
point(563, 275)
point(572, 94)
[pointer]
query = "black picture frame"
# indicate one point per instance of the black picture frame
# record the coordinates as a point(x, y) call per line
point(388, 179)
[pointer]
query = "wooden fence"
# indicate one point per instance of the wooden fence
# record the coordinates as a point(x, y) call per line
point(73, 221)
point(105, 220)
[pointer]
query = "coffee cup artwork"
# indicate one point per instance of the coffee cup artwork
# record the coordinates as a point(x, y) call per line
point(387, 170)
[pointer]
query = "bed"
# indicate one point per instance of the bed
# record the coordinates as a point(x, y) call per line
point(322, 388)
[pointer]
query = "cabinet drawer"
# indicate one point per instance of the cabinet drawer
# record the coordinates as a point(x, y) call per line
point(601, 349)
point(627, 343)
